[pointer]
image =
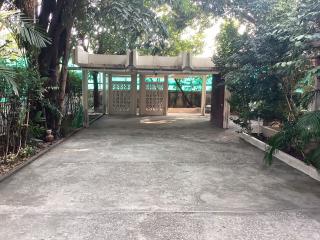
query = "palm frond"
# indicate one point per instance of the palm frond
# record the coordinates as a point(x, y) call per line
point(314, 158)
point(280, 141)
point(23, 27)
point(308, 126)
point(299, 135)
point(32, 34)
point(8, 75)
point(308, 97)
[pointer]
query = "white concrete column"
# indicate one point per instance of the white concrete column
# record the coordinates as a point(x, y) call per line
point(166, 94)
point(104, 94)
point(204, 95)
point(133, 104)
point(110, 109)
point(190, 60)
point(142, 102)
point(85, 104)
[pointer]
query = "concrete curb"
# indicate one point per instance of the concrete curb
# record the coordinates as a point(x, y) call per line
point(97, 118)
point(43, 152)
point(284, 157)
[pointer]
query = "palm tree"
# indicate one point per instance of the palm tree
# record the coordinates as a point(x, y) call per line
point(24, 31)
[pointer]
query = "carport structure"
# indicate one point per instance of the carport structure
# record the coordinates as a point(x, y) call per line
point(146, 93)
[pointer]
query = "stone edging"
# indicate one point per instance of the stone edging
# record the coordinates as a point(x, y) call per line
point(41, 153)
point(284, 157)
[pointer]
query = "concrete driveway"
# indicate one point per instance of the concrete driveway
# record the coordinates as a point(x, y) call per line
point(156, 178)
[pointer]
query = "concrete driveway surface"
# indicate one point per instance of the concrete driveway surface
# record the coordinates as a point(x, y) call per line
point(156, 178)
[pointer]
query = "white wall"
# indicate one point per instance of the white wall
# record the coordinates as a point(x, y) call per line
point(81, 57)
point(158, 61)
point(100, 59)
point(202, 62)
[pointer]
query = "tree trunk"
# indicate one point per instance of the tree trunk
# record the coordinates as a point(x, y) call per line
point(47, 7)
point(64, 74)
point(1, 3)
point(59, 30)
point(96, 97)
point(57, 18)
point(28, 7)
point(183, 93)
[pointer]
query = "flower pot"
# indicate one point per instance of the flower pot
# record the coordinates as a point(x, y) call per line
point(49, 137)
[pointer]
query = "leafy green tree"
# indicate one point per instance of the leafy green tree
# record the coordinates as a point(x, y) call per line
point(185, 23)
point(21, 31)
point(269, 73)
point(255, 91)
point(180, 18)
point(252, 11)
point(114, 27)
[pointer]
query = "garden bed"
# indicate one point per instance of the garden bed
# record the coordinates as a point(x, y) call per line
point(21, 160)
point(292, 152)
point(42, 148)
point(15, 160)
point(284, 157)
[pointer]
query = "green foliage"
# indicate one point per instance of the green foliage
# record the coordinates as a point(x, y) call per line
point(7, 76)
point(299, 135)
point(23, 29)
point(229, 41)
point(256, 92)
point(78, 119)
point(74, 81)
point(26, 152)
point(115, 26)
point(185, 23)
point(252, 12)
point(268, 71)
